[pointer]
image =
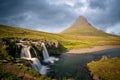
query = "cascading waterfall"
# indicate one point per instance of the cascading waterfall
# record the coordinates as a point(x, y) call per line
point(45, 52)
point(46, 56)
point(35, 52)
point(25, 54)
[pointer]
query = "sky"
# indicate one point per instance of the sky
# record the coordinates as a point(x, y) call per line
point(57, 15)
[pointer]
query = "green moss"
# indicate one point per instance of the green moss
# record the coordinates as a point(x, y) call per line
point(3, 52)
point(106, 69)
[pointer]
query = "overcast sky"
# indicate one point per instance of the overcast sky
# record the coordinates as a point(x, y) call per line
point(57, 15)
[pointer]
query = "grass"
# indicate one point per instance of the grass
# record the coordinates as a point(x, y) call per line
point(85, 42)
point(19, 72)
point(6, 75)
point(8, 32)
point(108, 69)
point(67, 40)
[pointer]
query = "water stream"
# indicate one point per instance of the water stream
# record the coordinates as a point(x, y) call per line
point(47, 58)
point(73, 66)
point(70, 66)
point(30, 54)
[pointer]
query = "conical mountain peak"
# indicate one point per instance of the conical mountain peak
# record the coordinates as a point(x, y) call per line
point(81, 17)
point(82, 27)
point(81, 20)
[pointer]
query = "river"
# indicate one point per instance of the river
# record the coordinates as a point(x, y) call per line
point(73, 66)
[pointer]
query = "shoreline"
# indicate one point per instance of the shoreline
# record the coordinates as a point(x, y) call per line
point(94, 49)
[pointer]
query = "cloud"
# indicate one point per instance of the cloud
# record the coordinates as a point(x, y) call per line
point(37, 14)
point(105, 12)
point(114, 30)
point(57, 15)
point(98, 4)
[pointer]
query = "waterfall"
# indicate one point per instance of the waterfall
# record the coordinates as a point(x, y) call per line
point(46, 56)
point(35, 52)
point(36, 64)
point(25, 54)
point(45, 52)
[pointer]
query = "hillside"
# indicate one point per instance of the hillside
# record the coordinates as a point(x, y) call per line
point(16, 32)
point(67, 41)
point(82, 27)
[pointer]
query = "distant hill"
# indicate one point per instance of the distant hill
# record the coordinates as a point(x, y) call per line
point(76, 40)
point(17, 32)
point(82, 27)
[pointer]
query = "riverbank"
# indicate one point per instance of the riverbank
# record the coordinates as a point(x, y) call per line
point(94, 49)
point(73, 66)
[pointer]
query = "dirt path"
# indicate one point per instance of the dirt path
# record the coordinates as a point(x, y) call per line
point(89, 50)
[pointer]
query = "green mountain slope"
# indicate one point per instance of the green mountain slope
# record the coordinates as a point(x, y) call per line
point(82, 27)
point(68, 41)
point(16, 32)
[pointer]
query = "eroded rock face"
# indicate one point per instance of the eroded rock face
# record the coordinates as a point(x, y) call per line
point(38, 43)
point(52, 46)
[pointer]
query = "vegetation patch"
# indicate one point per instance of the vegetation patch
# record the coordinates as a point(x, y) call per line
point(67, 41)
point(5, 75)
point(105, 69)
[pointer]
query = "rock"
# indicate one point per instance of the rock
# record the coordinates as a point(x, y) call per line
point(56, 44)
point(104, 58)
point(96, 77)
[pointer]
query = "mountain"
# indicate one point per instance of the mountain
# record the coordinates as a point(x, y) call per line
point(82, 27)
point(67, 41)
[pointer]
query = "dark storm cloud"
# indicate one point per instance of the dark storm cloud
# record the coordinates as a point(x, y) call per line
point(107, 12)
point(9, 8)
point(37, 14)
point(56, 15)
point(98, 4)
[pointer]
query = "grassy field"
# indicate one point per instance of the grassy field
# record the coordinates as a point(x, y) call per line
point(105, 69)
point(67, 40)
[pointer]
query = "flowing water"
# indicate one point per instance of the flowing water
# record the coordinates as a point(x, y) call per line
point(29, 53)
point(47, 58)
point(73, 66)
point(25, 53)
point(45, 52)
point(70, 66)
